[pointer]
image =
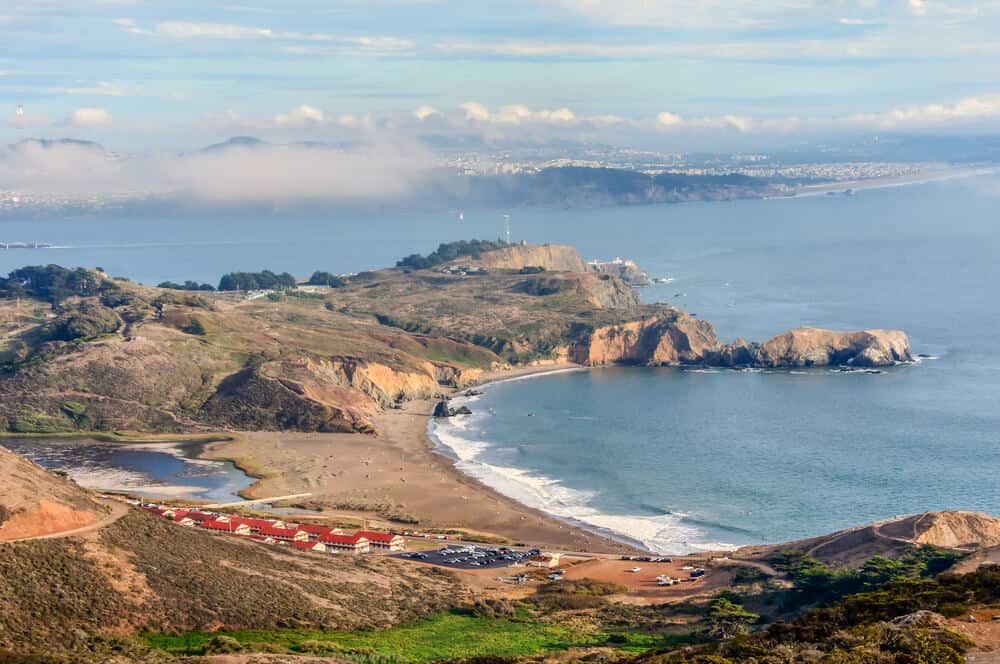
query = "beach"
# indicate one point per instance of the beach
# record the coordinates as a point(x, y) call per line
point(398, 478)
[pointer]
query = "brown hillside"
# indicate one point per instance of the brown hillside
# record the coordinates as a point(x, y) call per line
point(36, 502)
point(551, 257)
point(950, 530)
point(59, 595)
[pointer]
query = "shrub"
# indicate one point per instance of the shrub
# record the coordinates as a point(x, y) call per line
point(195, 327)
point(222, 645)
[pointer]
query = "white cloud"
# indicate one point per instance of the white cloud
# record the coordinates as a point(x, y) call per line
point(237, 174)
point(856, 21)
point(516, 114)
point(303, 116)
point(129, 25)
point(475, 111)
point(917, 7)
point(425, 111)
point(236, 31)
point(910, 118)
point(703, 14)
point(90, 117)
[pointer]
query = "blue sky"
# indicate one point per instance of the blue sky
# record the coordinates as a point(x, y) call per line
point(176, 74)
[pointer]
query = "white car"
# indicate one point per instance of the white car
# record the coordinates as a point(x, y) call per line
point(635, 570)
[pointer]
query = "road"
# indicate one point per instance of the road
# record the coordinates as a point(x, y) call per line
point(118, 510)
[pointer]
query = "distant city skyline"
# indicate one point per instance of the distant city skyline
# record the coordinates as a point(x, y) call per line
point(177, 74)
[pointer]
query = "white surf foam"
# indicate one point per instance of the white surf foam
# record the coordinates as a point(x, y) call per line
point(665, 534)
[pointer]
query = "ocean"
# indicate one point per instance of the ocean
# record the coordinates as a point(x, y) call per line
point(683, 460)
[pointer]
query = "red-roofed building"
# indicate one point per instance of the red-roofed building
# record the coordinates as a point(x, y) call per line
point(284, 534)
point(225, 527)
point(310, 546)
point(257, 524)
point(182, 517)
point(383, 540)
point(200, 517)
point(316, 532)
point(351, 543)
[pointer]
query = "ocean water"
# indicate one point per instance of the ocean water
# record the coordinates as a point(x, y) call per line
point(683, 460)
point(153, 470)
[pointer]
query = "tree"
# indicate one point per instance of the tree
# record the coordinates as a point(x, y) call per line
point(727, 619)
point(320, 278)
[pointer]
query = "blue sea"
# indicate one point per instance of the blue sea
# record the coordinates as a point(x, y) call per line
point(683, 460)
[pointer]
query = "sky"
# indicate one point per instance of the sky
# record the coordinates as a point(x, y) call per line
point(178, 74)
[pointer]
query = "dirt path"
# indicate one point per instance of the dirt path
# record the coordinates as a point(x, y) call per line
point(118, 510)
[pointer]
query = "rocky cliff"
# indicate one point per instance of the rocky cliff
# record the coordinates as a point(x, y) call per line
point(809, 346)
point(677, 338)
point(551, 257)
point(957, 529)
point(327, 395)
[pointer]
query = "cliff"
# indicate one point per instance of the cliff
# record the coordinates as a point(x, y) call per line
point(625, 269)
point(676, 338)
point(655, 341)
point(957, 529)
point(809, 346)
point(35, 502)
point(551, 257)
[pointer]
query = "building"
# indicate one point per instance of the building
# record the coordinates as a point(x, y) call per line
point(183, 518)
point(219, 526)
point(257, 524)
point(349, 543)
point(284, 534)
point(310, 546)
point(546, 560)
point(200, 517)
point(315, 532)
point(383, 540)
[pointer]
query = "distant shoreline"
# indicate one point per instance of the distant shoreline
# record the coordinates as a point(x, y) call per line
point(939, 175)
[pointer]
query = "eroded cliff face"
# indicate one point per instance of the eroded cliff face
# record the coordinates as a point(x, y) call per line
point(552, 257)
point(810, 346)
point(313, 394)
point(677, 338)
point(654, 341)
point(957, 529)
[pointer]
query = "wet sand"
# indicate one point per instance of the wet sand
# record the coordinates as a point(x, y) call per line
point(397, 477)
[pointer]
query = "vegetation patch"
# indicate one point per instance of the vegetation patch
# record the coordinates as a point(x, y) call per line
point(453, 635)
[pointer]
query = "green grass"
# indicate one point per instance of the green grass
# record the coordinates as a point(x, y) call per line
point(449, 635)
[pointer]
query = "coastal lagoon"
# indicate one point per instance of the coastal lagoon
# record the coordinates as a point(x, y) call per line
point(155, 470)
point(682, 459)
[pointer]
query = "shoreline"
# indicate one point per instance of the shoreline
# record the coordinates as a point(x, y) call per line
point(936, 175)
point(401, 478)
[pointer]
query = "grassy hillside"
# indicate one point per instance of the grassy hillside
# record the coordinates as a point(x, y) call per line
point(143, 573)
point(82, 351)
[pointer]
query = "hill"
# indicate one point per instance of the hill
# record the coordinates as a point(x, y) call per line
point(85, 596)
point(35, 502)
point(83, 351)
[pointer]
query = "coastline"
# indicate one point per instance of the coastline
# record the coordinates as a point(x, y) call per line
point(401, 478)
point(935, 175)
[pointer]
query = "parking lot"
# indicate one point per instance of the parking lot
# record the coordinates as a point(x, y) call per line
point(472, 557)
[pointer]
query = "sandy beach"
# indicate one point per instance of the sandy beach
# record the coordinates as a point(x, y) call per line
point(397, 477)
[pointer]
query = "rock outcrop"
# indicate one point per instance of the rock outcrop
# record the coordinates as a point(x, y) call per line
point(623, 268)
point(677, 338)
point(957, 529)
point(655, 341)
point(809, 346)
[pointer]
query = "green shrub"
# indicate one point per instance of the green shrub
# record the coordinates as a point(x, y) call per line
point(222, 645)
